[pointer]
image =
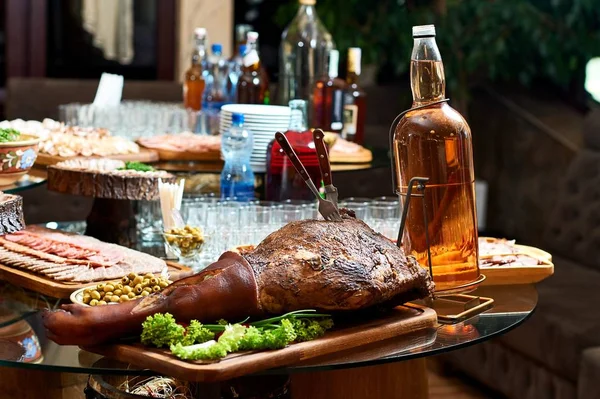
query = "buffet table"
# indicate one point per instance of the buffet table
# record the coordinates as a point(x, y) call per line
point(394, 368)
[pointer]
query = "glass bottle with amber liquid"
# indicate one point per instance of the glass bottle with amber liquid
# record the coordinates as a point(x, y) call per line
point(435, 142)
point(253, 84)
point(328, 98)
point(194, 83)
point(283, 182)
point(355, 100)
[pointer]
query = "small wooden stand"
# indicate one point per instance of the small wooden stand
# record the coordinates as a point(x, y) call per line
point(11, 214)
point(111, 218)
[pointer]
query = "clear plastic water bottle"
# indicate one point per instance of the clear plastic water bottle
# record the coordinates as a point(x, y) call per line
point(237, 177)
point(215, 93)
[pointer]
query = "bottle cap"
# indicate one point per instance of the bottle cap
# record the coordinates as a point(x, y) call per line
point(200, 33)
point(307, 2)
point(217, 48)
point(243, 48)
point(423, 31)
point(241, 30)
point(354, 55)
point(295, 104)
point(252, 36)
point(237, 119)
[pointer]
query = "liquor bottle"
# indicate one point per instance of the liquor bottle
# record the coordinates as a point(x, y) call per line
point(252, 42)
point(355, 100)
point(235, 71)
point(235, 62)
point(305, 44)
point(194, 84)
point(253, 85)
point(283, 182)
point(328, 98)
point(435, 142)
point(237, 177)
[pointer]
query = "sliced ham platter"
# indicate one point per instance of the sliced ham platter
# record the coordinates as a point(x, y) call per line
point(56, 263)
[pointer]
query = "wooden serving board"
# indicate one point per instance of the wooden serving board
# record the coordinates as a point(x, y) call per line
point(62, 290)
point(399, 321)
point(362, 156)
point(145, 155)
point(508, 275)
point(526, 249)
point(166, 155)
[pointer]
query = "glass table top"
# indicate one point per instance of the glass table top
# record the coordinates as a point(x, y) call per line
point(381, 159)
point(23, 342)
point(35, 177)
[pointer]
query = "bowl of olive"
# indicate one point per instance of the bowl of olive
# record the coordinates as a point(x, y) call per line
point(186, 242)
point(130, 287)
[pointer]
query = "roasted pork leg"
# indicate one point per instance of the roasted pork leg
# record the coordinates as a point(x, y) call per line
point(310, 264)
point(225, 289)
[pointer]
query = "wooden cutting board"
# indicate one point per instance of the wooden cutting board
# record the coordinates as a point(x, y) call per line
point(361, 156)
point(166, 155)
point(145, 155)
point(507, 275)
point(62, 290)
point(398, 321)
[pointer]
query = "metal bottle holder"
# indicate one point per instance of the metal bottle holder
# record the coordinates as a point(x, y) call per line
point(453, 300)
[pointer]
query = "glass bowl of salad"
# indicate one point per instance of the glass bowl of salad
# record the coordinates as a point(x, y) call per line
point(18, 153)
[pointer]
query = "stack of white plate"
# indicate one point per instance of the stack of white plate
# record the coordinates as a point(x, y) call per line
point(263, 121)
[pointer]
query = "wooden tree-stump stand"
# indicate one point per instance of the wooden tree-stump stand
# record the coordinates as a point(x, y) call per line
point(11, 213)
point(112, 217)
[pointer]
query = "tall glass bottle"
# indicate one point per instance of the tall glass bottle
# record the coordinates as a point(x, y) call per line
point(305, 44)
point(235, 71)
point(328, 98)
point(355, 100)
point(253, 84)
point(282, 180)
point(435, 142)
point(236, 61)
point(194, 79)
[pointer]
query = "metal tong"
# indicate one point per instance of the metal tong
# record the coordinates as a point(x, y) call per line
point(326, 208)
point(331, 192)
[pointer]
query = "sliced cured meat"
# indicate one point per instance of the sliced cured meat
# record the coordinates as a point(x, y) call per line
point(39, 236)
point(184, 142)
point(69, 257)
point(22, 249)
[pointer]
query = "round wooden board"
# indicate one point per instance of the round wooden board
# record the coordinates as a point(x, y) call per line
point(520, 274)
point(166, 155)
point(145, 155)
point(526, 250)
point(103, 185)
point(362, 156)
